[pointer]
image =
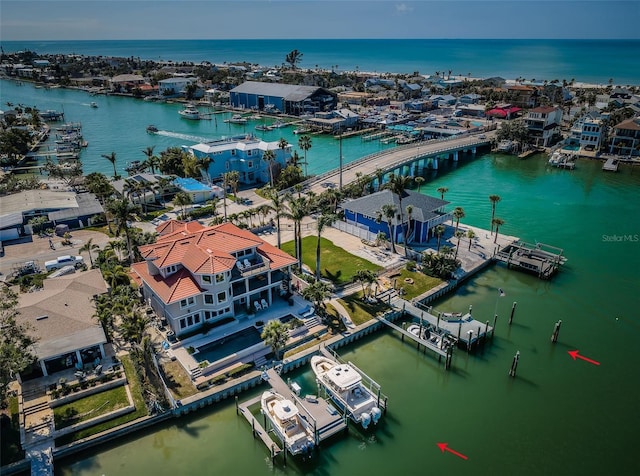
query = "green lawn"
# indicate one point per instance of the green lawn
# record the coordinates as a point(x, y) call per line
point(415, 283)
point(360, 311)
point(140, 411)
point(90, 407)
point(337, 265)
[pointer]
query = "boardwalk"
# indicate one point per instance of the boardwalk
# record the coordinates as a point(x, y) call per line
point(396, 158)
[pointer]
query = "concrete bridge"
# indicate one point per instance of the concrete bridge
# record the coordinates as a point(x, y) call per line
point(409, 159)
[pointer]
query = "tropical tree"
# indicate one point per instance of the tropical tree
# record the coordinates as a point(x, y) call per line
point(304, 142)
point(89, 246)
point(322, 222)
point(442, 191)
point(275, 334)
point(317, 293)
point(498, 222)
point(233, 180)
point(365, 277)
point(123, 213)
point(470, 235)
point(182, 199)
point(494, 201)
point(379, 174)
point(151, 161)
point(269, 157)
point(388, 211)
point(133, 325)
point(458, 234)
point(419, 181)
point(409, 210)
point(439, 232)
point(112, 158)
point(16, 341)
point(398, 185)
point(298, 209)
point(278, 207)
point(293, 58)
point(203, 167)
point(458, 213)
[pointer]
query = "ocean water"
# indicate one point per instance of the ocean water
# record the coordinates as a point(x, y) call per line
point(557, 417)
point(594, 61)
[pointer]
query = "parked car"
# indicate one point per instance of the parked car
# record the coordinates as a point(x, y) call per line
point(62, 261)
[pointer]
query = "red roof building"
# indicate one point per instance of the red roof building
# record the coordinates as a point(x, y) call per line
point(194, 275)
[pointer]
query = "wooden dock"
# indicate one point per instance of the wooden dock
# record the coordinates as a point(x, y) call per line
point(611, 165)
point(325, 420)
point(541, 259)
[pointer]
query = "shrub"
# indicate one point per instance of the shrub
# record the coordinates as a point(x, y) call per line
point(191, 349)
point(411, 266)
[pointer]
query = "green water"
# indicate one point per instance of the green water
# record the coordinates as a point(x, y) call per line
point(557, 417)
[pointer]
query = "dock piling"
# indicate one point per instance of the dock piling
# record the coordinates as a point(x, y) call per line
point(495, 319)
point(556, 331)
point(514, 364)
point(513, 311)
point(237, 409)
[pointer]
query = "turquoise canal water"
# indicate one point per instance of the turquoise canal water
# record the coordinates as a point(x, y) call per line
point(558, 416)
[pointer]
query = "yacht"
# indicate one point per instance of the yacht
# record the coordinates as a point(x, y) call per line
point(295, 433)
point(190, 112)
point(237, 119)
point(344, 384)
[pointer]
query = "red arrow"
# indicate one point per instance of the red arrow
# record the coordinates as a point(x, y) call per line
point(575, 354)
point(445, 447)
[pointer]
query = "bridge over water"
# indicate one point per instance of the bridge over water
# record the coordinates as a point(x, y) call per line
point(409, 159)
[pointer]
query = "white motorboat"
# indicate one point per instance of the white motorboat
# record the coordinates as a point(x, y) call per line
point(344, 384)
point(237, 119)
point(294, 432)
point(428, 334)
point(190, 112)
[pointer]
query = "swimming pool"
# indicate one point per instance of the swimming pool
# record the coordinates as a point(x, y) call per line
point(477, 124)
point(228, 345)
point(571, 147)
point(190, 185)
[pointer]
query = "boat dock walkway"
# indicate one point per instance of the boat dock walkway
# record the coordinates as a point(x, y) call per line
point(325, 419)
point(611, 165)
point(542, 259)
point(467, 330)
point(427, 344)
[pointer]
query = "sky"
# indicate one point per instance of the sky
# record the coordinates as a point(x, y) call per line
point(23, 20)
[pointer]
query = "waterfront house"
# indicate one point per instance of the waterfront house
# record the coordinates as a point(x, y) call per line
point(198, 191)
point(334, 121)
point(61, 317)
point(172, 87)
point(286, 98)
point(76, 210)
point(244, 154)
point(196, 276)
point(144, 187)
point(588, 131)
point(471, 98)
point(365, 214)
point(125, 83)
point(626, 138)
point(543, 124)
point(504, 111)
point(522, 96)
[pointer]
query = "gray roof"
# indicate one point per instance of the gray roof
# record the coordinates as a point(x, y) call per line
point(88, 204)
point(290, 92)
point(424, 206)
point(66, 302)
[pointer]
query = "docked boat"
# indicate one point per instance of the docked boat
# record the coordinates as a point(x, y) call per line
point(237, 119)
point(506, 146)
point(344, 384)
point(190, 112)
point(428, 334)
point(278, 124)
point(294, 432)
point(262, 127)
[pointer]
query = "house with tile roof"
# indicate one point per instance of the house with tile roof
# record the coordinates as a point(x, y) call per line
point(427, 213)
point(61, 317)
point(626, 138)
point(195, 276)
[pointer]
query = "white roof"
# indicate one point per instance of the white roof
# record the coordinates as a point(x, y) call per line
point(285, 409)
point(344, 376)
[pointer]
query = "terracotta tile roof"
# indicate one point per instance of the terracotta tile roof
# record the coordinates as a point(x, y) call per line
point(277, 257)
point(178, 286)
point(629, 124)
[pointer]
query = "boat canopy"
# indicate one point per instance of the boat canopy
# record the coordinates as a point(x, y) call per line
point(284, 409)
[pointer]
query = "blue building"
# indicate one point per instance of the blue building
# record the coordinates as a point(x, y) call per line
point(244, 154)
point(427, 213)
point(286, 98)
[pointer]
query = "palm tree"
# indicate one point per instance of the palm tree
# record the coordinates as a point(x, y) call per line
point(398, 185)
point(442, 191)
point(112, 158)
point(269, 157)
point(317, 293)
point(293, 58)
point(379, 173)
point(182, 199)
point(151, 164)
point(471, 235)
point(409, 210)
point(458, 234)
point(123, 213)
point(322, 222)
point(439, 232)
point(494, 200)
point(133, 325)
point(298, 209)
point(275, 334)
point(278, 207)
point(365, 276)
point(458, 213)
point(304, 142)
point(203, 166)
point(498, 222)
point(282, 145)
point(419, 181)
point(389, 213)
point(233, 180)
point(89, 246)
